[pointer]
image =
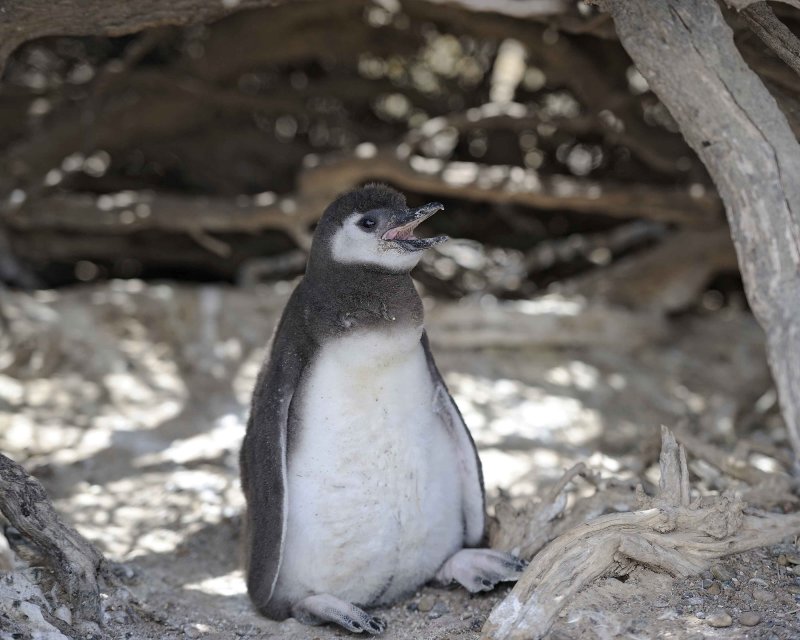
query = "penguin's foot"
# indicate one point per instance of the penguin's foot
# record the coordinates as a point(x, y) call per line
point(481, 569)
point(326, 608)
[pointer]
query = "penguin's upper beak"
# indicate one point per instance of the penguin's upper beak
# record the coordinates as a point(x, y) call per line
point(402, 225)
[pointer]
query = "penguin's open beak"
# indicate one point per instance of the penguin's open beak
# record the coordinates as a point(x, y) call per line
point(402, 225)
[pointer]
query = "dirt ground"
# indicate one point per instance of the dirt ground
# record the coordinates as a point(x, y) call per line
point(128, 401)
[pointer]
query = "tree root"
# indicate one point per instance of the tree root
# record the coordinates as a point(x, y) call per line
point(75, 562)
point(78, 568)
point(526, 531)
point(669, 532)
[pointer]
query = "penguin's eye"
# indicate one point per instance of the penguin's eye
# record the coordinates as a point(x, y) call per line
point(367, 223)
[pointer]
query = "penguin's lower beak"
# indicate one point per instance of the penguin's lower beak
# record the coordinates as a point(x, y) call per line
point(403, 224)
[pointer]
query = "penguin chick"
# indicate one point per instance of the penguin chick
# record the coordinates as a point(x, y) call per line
point(362, 480)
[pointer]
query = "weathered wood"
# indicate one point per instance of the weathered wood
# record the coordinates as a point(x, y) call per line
point(685, 50)
point(668, 532)
point(667, 277)
point(23, 20)
point(514, 185)
point(132, 211)
point(549, 320)
point(74, 560)
point(743, 4)
point(776, 35)
point(128, 212)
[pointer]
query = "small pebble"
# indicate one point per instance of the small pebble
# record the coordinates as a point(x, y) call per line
point(63, 613)
point(792, 558)
point(439, 609)
point(700, 614)
point(713, 589)
point(794, 588)
point(721, 573)
point(749, 619)
point(426, 603)
point(719, 619)
point(707, 583)
point(190, 631)
point(762, 595)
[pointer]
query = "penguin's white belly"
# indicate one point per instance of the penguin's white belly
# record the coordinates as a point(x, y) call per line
point(374, 490)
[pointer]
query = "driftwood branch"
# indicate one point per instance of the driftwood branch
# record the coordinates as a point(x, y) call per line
point(669, 532)
point(132, 211)
point(515, 185)
point(743, 4)
point(776, 35)
point(123, 213)
point(685, 50)
point(152, 124)
point(667, 277)
point(23, 20)
point(77, 565)
point(524, 532)
point(549, 320)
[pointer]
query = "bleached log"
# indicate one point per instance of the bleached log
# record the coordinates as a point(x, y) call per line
point(669, 533)
point(667, 277)
point(547, 321)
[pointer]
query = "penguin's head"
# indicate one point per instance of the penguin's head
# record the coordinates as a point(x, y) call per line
point(373, 226)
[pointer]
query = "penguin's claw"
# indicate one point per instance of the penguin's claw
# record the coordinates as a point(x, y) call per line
point(481, 569)
point(351, 625)
point(364, 622)
point(327, 608)
point(376, 625)
point(370, 624)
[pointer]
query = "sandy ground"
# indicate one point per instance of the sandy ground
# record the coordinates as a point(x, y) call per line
point(128, 401)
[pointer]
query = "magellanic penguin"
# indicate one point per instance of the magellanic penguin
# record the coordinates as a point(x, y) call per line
point(361, 478)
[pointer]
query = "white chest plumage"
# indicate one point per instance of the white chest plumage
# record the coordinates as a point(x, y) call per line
point(374, 494)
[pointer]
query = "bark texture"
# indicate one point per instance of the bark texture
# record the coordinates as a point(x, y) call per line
point(686, 52)
point(669, 532)
point(776, 35)
point(23, 20)
point(73, 559)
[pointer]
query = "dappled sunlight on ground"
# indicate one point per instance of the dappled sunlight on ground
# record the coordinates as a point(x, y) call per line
point(133, 421)
point(231, 584)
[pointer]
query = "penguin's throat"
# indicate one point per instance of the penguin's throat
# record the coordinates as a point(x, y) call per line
point(403, 232)
point(403, 237)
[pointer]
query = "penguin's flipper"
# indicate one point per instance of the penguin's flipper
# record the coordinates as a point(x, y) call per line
point(263, 464)
point(469, 462)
